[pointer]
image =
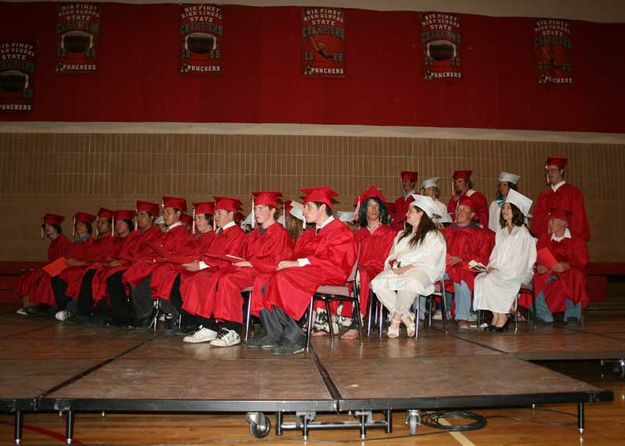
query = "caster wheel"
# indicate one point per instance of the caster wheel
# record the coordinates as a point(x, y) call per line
point(260, 426)
point(413, 419)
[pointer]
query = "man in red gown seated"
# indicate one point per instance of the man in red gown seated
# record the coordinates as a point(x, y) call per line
point(324, 255)
point(408, 184)
point(561, 287)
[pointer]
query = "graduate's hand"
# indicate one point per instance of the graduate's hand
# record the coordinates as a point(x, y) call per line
point(193, 266)
point(243, 264)
point(402, 269)
point(560, 267)
point(453, 260)
point(541, 269)
point(287, 264)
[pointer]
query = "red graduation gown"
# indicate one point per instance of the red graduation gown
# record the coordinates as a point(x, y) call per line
point(171, 241)
point(164, 275)
point(36, 284)
point(567, 198)
point(572, 282)
point(130, 250)
point(80, 251)
point(480, 207)
point(102, 249)
point(194, 287)
point(264, 251)
point(331, 252)
point(401, 207)
point(470, 243)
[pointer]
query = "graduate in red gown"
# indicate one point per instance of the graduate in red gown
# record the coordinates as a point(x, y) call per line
point(193, 299)
point(324, 255)
point(77, 258)
point(463, 186)
point(261, 250)
point(177, 240)
point(561, 287)
point(135, 247)
point(35, 286)
point(466, 241)
point(102, 250)
point(374, 239)
point(559, 195)
point(408, 184)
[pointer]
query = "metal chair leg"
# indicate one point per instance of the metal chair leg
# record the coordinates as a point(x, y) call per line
point(247, 315)
point(310, 322)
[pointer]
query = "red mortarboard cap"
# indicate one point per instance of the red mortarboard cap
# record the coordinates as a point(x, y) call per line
point(204, 207)
point(464, 174)
point(371, 193)
point(147, 206)
point(559, 214)
point(266, 198)
point(106, 213)
point(52, 219)
point(124, 214)
point(410, 175)
point(466, 201)
point(186, 219)
point(555, 161)
point(320, 194)
point(227, 204)
point(83, 217)
point(175, 202)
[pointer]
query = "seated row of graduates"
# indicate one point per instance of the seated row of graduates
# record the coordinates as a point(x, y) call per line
point(193, 275)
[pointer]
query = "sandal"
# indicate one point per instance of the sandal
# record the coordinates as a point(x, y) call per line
point(408, 321)
point(350, 334)
point(393, 329)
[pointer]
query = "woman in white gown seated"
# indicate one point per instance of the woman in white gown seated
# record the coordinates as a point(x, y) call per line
point(416, 261)
point(510, 264)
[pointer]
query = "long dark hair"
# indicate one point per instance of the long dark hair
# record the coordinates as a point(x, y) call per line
point(425, 225)
point(518, 219)
point(362, 213)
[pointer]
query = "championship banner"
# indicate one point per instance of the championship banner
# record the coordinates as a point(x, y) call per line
point(441, 40)
point(201, 34)
point(17, 71)
point(77, 30)
point(323, 42)
point(552, 46)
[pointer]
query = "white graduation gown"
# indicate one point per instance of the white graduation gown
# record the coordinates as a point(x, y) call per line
point(428, 258)
point(513, 258)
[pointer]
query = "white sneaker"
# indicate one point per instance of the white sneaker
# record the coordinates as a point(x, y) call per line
point(438, 315)
point(226, 338)
point(201, 335)
point(22, 312)
point(63, 315)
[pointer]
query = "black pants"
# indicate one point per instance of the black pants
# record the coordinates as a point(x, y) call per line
point(141, 299)
point(59, 287)
point(121, 310)
point(85, 297)
point(280, 326)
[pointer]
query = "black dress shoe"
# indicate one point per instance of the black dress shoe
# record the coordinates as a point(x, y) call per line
point(501, 329)
point(489, 328)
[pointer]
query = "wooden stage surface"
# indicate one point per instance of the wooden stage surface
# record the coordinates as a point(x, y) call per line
point(49, 366)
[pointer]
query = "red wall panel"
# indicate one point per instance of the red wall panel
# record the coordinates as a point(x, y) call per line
point(137, 77)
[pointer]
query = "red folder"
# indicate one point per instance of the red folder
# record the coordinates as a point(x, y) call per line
point(56, 267)
point(545, 258)
point(225, 257)
point(167, 257)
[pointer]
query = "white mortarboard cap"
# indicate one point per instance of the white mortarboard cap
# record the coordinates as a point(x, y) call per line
point(344, 216)
point(519, 200)
point(509, 178)
point(297, 210)
point(426, 204)
point(445, 218)
point(159, 220)
point(429, 182)
point(248, 220)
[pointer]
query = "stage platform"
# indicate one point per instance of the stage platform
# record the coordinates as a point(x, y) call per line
point(47, 366)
